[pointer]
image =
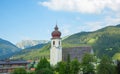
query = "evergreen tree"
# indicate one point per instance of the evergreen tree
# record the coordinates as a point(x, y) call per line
point(75, 66)
point(43, 67)
point(87, 64)
point(44, 71)
point(19, 71)
point(106, 66)
point(118, 67)
point(68, 71)
point(31, 73)
point(61, 67)
point(43, 64)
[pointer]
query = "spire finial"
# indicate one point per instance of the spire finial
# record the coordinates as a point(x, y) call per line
point(56, 27)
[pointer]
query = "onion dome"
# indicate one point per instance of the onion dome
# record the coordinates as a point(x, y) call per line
point(56, 33)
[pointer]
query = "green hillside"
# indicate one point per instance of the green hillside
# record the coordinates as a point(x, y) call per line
point(7, 49)
point(34, 52)
point(103, 41)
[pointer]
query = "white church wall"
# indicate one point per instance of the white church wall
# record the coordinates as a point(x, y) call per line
point(55, 51)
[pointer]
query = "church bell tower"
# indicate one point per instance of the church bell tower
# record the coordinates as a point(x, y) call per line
point(56, 48)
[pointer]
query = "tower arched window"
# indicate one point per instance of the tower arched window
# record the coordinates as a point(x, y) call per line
point(59, 42)
point(53, 42)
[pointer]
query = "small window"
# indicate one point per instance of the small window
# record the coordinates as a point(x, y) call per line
point(59, 42)
point(53, 42)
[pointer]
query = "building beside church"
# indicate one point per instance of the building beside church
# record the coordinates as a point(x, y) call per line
point(75, 52)
point(57, 53)
point(8, 66)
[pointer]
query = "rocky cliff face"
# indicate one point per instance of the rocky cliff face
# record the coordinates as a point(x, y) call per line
point(29, 43)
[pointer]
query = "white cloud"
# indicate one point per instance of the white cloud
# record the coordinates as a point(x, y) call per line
point(83, 6)
point(65, 29)
point(93, 26)
point(112, 21)
point(90, 26)
point(110, 8)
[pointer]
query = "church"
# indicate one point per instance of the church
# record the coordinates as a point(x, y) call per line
point(57, 53)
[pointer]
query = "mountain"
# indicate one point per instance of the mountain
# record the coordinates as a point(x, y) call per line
point(7, 49)
point(105, 41)
point(29, 43)
point(118, 25)
point(34, 52)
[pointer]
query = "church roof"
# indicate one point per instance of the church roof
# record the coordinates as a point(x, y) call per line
point(75, 52)
point(56, 33)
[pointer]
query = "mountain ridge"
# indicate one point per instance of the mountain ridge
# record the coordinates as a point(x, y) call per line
point(7, 49)
point(102, 41)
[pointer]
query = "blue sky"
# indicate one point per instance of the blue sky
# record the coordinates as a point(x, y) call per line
point(36, 19)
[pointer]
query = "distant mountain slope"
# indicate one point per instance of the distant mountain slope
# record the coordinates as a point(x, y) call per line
point(33, 48)
point(103, 41)
point(7, 49)
point(29, 43)
point(118, 25)
point(35, 52)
